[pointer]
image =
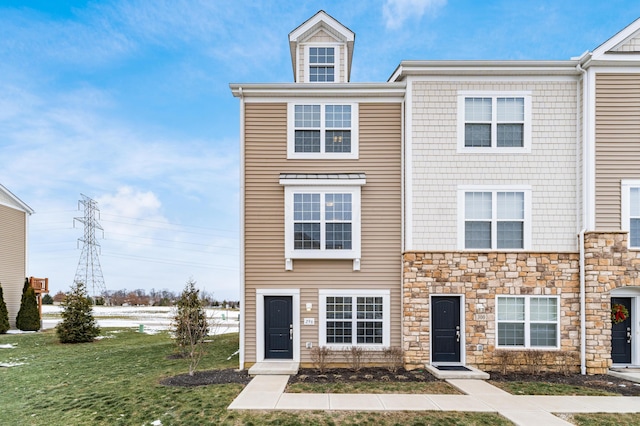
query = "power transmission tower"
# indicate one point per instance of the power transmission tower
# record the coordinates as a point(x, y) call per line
point(89, 271)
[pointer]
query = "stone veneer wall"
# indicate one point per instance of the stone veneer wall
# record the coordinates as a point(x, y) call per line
point(608, 265)
point(482, 276)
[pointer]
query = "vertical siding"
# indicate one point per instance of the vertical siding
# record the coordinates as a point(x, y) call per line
point(617, 142)
point(265, 159)
point(12, 258)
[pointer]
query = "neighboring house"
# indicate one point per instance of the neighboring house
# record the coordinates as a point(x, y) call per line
point(321, 204)
point(509, 191)
point(14, 220)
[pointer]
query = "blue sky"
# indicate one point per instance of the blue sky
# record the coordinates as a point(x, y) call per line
point(128, 102)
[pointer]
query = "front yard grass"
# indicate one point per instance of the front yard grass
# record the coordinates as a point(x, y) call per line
point(543, 388)
point(115, 381)
point(374, 387)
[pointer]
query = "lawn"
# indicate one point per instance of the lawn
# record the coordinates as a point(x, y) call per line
point(115, 381)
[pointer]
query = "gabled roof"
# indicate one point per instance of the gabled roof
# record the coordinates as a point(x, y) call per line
point(623, 48)
point(321, 20)
point(7, 198)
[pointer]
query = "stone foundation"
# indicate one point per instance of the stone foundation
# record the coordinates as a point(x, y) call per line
point(482, 276)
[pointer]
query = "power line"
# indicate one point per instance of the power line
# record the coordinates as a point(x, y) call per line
point(89, 271)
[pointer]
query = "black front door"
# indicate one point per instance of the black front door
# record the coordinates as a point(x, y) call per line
point(445, 336)
point(278, 327)
point(621, 334)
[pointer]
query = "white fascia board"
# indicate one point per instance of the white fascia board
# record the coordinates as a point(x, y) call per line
point(322, 17)
point(479, 68)
point(394, 91)
point(323, 182)
point(618, 38)
point(19, 204)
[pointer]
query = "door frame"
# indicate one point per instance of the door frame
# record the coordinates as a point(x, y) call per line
point(463, 353)
point(295, 314)
point(634, 294)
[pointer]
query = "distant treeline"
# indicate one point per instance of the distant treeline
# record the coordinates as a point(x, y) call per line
point(140, 297)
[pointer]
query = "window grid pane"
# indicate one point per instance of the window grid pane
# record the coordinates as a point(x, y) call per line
point(510, 135)
point(511, 309)
point(510, 205)
point(321, 73)
point(321, 55)
point(369, 332)
point(338, 236)
point(369, 308)
point(543, 335)
point(338, 207)
point(338, 116)
point(511, 334)
point(339, 307)
point(307, 116)
point(339, 332)
point(306, 207)
point(477, 135)
point(477, 205)
point(543, 309)
point(306, 236)
point(477, 109)
point(510, 109)
point(307, 141)
point(337, 141)
point(634, 233)
point(477, 235)
point(510, 235)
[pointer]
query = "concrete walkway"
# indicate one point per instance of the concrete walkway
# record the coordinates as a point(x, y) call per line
point(267, 393)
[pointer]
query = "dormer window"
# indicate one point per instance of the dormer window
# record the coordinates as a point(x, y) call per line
point(321, 64)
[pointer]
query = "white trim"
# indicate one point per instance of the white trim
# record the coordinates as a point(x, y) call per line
point(528, 214)
point(625, 207)
point(494, 95)
point(19, 204)
point(463, 328)
point(354, 253)
point(243, 299)
point(617, 39)
point(527, 321)
point(326, 19)
point(408, 167)
point(323, 182)
point(291, 154)
point(386, 317)
point(295, 306)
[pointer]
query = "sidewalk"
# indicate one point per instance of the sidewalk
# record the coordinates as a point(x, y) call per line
point(267, 393)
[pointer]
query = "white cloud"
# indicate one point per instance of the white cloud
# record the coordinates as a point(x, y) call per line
point(396, 12)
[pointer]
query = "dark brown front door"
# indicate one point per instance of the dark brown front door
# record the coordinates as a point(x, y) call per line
point(445, 314)
point(621, 334)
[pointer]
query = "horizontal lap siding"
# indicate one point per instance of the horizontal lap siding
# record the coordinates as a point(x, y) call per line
point(617, 143)
point(12, 258)
point(265, 159)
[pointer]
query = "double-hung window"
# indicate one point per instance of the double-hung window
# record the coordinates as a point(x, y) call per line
point(631, 211)
point(494, 218)
point(490, 122)
point(322, 62)
point(322, 131)
point(527, 321)
point(322, 216)
point(354, 318)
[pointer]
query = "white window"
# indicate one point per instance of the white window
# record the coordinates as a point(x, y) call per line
point(322, 217)
point(631, 211)
point(494, 122)
point(322, 62)
point(354, 318)
point(322, 131)
point(494, 218)
point(527, 321)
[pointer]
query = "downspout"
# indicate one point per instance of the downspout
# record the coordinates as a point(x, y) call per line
point(402, 218)
point(241, 263)
point(583, 327)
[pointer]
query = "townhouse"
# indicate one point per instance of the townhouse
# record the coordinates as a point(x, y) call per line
point(460, 211)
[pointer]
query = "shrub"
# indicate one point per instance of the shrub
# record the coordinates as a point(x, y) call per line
point(190, 325)
point(78, 324)
point(320, 357)
point(47, 300)
point(28, 318)
point(394, 357)
point(4, 314)
point(354, 356)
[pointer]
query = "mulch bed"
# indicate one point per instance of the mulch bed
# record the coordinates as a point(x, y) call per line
point(310, 375)
point(210, 377)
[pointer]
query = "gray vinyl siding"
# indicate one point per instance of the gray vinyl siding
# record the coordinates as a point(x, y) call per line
point(617, 143)
point(12, 257)
point(265, 158)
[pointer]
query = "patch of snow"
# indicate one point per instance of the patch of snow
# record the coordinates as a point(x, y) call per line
point(156, 423)
point(103, 337)
point(7, 346)
point(10, 364)
point(233, 354)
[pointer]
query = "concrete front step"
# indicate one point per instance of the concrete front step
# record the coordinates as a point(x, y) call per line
point(274, 368)
point(472, 373)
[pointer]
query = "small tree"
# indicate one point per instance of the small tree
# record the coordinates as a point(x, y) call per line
point(47, 300)
point(4, 314)
point(28, 318)
point(78, 324)
point(190, 325)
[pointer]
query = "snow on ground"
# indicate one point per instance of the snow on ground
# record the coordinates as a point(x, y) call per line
point(7, 346)
point(149, 319)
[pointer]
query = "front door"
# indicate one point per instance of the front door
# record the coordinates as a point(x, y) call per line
point(621, 334)
point(445, 326)
point(278, 327)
